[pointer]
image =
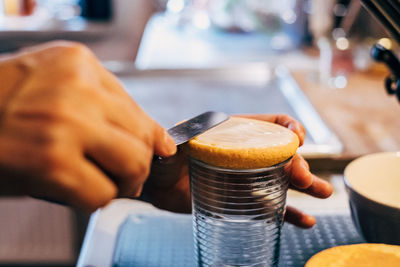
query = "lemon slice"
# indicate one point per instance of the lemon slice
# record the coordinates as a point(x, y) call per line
point(357, 255)
point(241, 143)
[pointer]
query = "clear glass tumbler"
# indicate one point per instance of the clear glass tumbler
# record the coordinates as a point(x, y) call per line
point(237, 214)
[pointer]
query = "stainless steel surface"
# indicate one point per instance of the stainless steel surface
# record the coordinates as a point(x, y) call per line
point(172, 95)
point(185, 131)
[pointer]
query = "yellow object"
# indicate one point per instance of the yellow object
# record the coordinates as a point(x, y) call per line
point(365, 255)
point(386, 43)
point(11, 7)
point(241, 143)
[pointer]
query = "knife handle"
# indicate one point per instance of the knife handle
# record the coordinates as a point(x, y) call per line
point(165, 172)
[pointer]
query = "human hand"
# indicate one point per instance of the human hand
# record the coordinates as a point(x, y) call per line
point(298, 170)
point(176, 195)
point(69, 132)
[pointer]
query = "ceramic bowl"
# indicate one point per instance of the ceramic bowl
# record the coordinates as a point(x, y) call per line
point(373, 186)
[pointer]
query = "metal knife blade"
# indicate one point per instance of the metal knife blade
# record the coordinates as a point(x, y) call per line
point(186, 130)
point(182, 133)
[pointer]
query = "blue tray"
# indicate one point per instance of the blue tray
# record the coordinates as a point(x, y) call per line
point(166, 240)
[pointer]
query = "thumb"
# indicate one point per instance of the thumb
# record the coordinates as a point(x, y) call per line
point(164, 145)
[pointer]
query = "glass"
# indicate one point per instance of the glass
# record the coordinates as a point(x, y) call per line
point(237, 214)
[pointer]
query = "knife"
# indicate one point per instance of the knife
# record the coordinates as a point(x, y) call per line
point(182, 133)
point(189, 129)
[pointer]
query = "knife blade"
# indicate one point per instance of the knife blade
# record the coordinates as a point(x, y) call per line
point(189, 129)
point(182, 133)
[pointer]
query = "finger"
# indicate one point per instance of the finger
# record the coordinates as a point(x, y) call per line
point(83, 186)
point(299, 173)
point(94, 190)
point(319, 188)
point(165, 172)
point(292, 124)
point(164, 145)
point(281, 119)
point(124, 158)
point(298, 218)
point(55, 170)
point(174, 198)
point(124, 112)
point(127, 115)
point(110, 82)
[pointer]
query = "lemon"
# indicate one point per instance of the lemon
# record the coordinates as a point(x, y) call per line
point(357, 255)
point(241, 143)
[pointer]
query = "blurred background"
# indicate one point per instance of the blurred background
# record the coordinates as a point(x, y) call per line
point(308, 58)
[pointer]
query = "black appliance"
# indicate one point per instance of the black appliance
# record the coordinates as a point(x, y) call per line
point(388, 13)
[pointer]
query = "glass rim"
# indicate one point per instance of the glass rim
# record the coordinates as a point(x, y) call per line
point(254, 170)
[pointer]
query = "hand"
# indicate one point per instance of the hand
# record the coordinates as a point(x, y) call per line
point(176, 196)
point(301, 179)
point(68, 130)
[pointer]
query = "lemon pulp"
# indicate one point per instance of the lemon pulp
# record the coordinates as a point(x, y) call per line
point(242, 143)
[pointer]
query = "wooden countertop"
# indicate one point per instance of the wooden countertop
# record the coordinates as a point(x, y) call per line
point(364, 117)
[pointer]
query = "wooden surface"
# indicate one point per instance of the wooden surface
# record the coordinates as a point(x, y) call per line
point(362, 115)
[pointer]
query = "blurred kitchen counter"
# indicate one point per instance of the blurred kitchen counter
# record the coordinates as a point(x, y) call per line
point(166, 43)
point(363, 115)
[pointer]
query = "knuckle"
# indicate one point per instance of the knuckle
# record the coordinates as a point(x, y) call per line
point(60, 108)
point(59, 44)
point(76, 60)
point(148, 139)
point(61, 115)
point(141, 170)
point(138, 173)
point(285, 118)
point(100, 200)
point(66, 50)
point(145, 171)
point(305, 162)
point(51, 134)
point(88, 199)
point(53, 153)
point(132, 188)
point(75, 194)
point(51, 158)
point(133, 177)
point(288, 117)
point(138, 191)
point(145, 135)
point(159, 132)
point(75, 49)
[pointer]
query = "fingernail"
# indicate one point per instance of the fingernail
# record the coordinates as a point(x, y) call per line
point(328, 189)
point(170, 144)
point(309, 221)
